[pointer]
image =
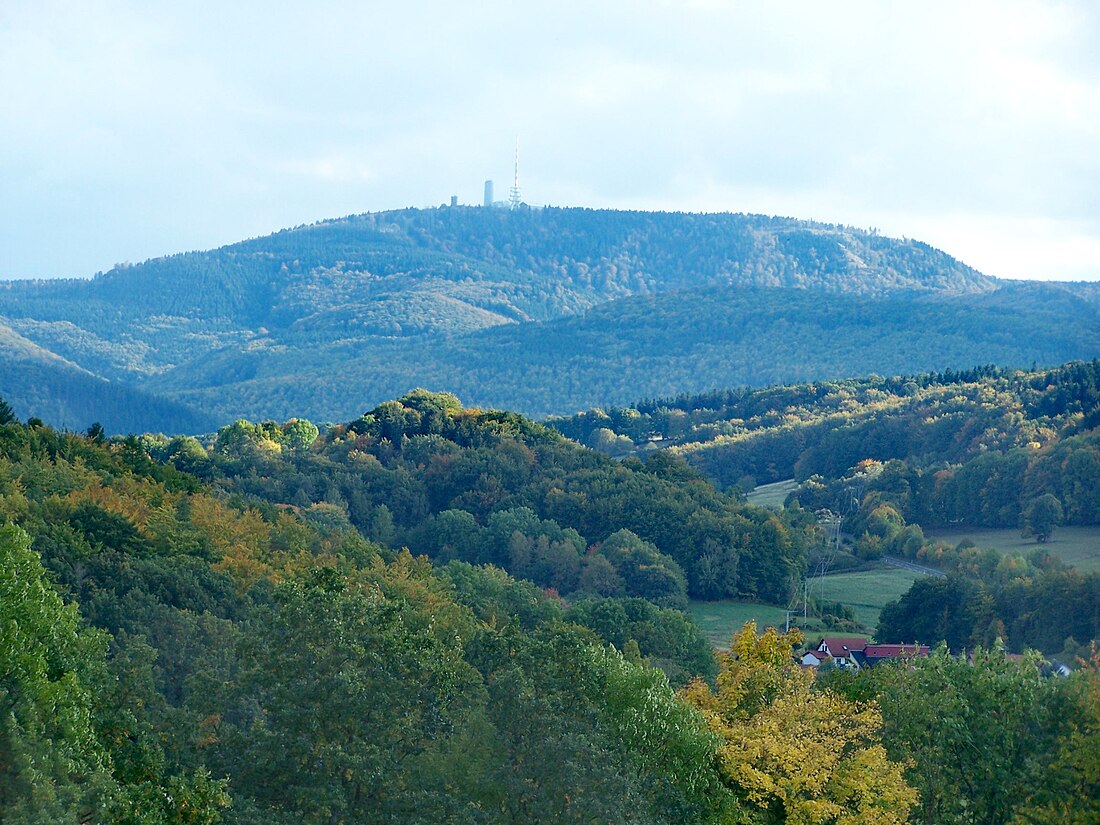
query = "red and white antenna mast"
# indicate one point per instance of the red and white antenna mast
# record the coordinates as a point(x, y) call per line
point(514, 199)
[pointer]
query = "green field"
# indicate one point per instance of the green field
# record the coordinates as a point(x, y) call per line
point(772, 495)
point(1076, 546)
point(866, 590)
point(720, 620)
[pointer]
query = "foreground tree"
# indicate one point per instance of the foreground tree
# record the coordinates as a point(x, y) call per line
point(979, 734)
point(348, 709)
point(72, 747)
point(1070, 791)
point(51, 768)
point(791, 753)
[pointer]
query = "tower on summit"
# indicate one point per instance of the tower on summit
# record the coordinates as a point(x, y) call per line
point(514, 199)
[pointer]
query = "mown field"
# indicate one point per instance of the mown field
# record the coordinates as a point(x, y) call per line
point(868, 590)
point(772, 495)
point(1077, 546)
point(720, 620)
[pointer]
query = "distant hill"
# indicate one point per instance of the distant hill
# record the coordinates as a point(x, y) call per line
point(39, 384)
point(543, 311)
point(649, 346)
point(931, 420)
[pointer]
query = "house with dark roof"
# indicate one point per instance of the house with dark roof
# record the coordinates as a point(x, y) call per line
point(814, 658)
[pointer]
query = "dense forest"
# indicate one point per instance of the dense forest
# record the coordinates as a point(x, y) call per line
point(651, 345)
point(592, 307)
point(825, 428)
point(496, 488)
point(231, 633)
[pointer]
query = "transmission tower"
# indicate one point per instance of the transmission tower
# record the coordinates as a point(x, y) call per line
point(514, 199)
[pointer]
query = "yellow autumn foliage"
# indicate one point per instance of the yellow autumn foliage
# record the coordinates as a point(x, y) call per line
point(794, 754)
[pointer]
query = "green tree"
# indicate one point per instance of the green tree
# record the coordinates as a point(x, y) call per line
point(1069, 791)
point(645, 571)
point(599, 577)
point(1041, 516)
point(7, 414)
point(931, 611)
point(347, 709)
point(977, 734)
point(299, 433)
point(668, 739)
point(52, 768)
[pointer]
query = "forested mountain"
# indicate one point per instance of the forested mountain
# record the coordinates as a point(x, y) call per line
point(598, 307)
point(656, 345)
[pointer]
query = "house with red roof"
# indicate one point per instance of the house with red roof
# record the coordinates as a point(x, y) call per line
point(852, 651)
point(873, 654)
point(841, 649)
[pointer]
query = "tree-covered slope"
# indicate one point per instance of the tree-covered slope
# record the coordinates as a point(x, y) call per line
point(168, 656)
point(826, 428)
point(654, 346)
point(494, 487)
point(173, 652)
point(887, 458)
point(43, 385)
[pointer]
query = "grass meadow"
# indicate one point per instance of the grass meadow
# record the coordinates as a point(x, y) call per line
point(1077, 546)
point(720, 620)
point(866, 591)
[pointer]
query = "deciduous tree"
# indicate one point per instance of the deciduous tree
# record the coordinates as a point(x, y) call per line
point(791, 753)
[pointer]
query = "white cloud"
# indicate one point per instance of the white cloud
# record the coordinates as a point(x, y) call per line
point(1017, 247)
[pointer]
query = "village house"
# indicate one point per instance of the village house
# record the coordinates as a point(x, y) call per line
point(814, 658)
point(852, 651)
point(873, 654)
point(841, 649)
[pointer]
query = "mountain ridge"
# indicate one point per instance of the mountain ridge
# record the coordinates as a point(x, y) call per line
point(385, 289)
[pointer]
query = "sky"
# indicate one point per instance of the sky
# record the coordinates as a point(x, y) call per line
point(134, 129)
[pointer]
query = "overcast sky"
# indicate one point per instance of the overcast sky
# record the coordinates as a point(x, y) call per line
point(130, 130)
